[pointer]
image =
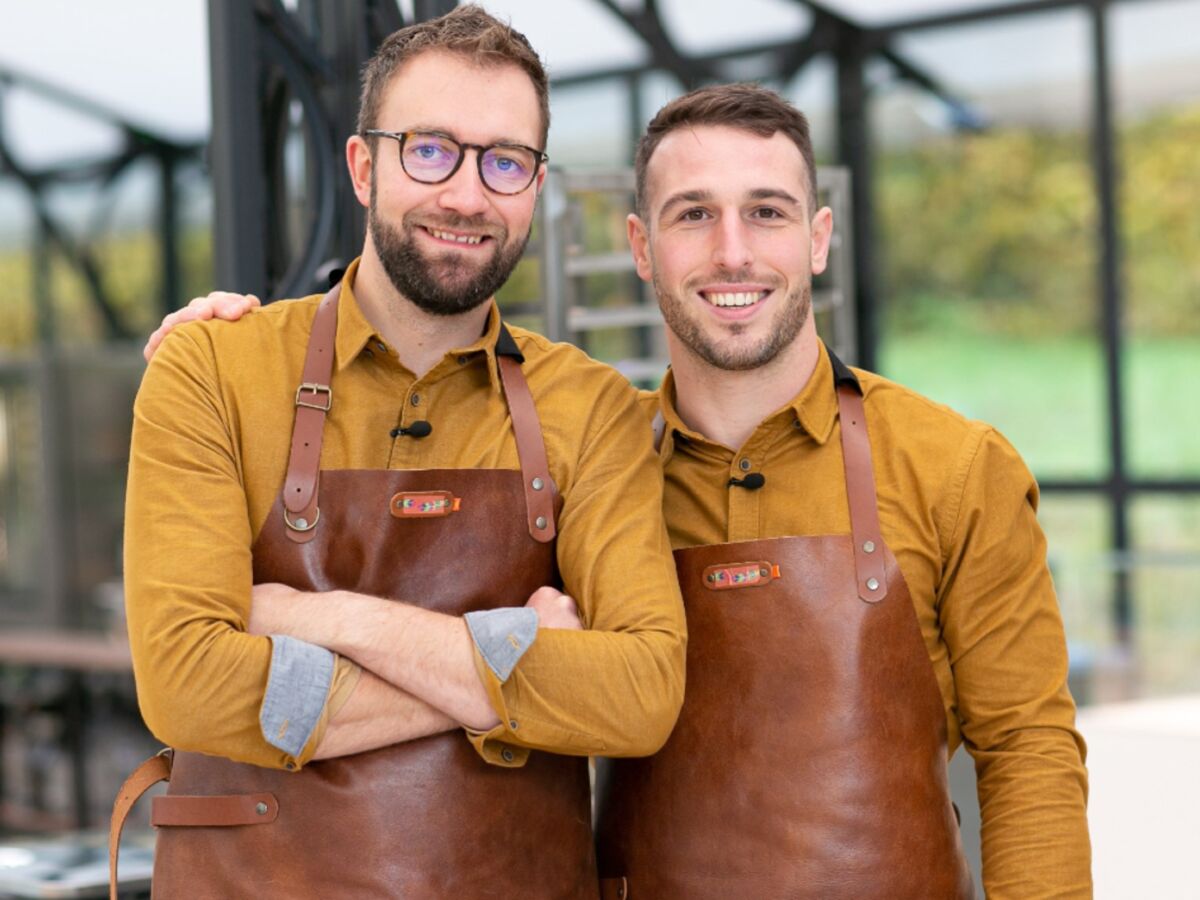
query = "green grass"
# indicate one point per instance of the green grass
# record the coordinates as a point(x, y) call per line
point(1048, 397)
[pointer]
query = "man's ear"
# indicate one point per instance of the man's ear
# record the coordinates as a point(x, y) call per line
point(639, 244)
point(822, 234)
point(359, 163)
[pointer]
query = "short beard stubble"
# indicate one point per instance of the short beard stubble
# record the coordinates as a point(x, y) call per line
point(784, 328)
point(441, 285)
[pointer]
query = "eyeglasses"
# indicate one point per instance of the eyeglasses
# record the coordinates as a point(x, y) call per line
point(431, 158)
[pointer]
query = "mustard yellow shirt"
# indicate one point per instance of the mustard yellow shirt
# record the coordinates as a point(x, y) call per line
point(958, 508)
point(212, 428)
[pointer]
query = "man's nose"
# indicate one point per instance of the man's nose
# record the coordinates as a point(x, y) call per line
point(464, 193)
point(732, 251)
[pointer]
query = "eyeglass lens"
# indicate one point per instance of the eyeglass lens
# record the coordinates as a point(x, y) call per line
point(432, 157)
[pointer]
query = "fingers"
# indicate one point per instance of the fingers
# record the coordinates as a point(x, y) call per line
point(222, 304)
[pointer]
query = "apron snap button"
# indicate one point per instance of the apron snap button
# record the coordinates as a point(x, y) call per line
point(540, 521)
point(873, 584)
point(869, 546)
point(261, 809)
point(537, 484)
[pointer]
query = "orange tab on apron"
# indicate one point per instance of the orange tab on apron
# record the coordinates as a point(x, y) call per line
point(425, 504)
point(740, 575)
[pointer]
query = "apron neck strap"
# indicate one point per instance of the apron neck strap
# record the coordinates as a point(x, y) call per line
point(314, 398)
point(869, 567)
point(540, 489)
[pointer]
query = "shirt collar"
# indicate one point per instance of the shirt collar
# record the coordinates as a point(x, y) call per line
point(815, 407)
point(354, 332)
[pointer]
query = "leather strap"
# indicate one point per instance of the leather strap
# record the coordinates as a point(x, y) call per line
point(157, 768)
point(614, 888)
point(540, 489)
point(230, 809)
point(860, 489)
point(314, 397)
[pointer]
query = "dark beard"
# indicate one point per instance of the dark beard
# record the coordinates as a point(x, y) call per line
point(442, 285)
point(786, 326)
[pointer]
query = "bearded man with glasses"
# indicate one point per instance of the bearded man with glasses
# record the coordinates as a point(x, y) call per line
point(394, 568)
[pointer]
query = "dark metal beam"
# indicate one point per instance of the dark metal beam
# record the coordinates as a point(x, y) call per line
point(1111, 299)
point(238, 164)
point(964, 116)
point(880, 34)
point(855, 152)
point(647, 24)
point(423, 10)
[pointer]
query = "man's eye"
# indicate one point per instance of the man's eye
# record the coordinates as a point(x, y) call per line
point(694, 215)
point(768, 212)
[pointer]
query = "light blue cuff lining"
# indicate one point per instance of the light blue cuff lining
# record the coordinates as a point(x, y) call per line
point(296, 691)
point(502, 636)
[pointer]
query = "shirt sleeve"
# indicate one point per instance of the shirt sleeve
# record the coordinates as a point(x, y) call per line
point(202, 680)
point(616, 687)
point(1002, 625)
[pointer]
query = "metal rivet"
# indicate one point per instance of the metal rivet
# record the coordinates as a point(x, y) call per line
point(416, 399)
point(744, 465)
point(302, 522)
point(537, 484)
point(261, 809)
point(873, 584)
point(869, 546)
point(764, 571)
point(712, 576)
point(512, 723)
point(540, 521)
point(506, 755)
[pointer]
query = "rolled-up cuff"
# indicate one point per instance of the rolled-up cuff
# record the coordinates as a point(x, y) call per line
point(297, 689)
point(502, 636)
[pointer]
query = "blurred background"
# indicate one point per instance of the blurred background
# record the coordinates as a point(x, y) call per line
point(1016, 192)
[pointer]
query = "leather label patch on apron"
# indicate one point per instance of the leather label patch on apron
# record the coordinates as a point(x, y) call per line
point(740, 575)
point(424, 505)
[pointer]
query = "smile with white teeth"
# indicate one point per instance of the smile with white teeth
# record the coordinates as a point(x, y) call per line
point(457, 238)
point(743, 298)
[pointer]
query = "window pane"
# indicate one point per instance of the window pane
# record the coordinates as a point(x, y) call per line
point(1078, 530)
point(1157, 87)
point(1165, 570)
point(987, 240)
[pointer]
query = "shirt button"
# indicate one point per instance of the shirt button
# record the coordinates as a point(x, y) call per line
point(744, 465)
point(290, 766)
point(512, 723)
point(462, 360)
point(382, 347)
point(506, 755)
point(416, 400)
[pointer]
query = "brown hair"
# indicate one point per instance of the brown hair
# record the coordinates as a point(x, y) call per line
point(468, 31)
point(750, 107)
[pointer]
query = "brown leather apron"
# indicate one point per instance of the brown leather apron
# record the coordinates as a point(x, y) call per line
point(426, 818)
point(809, 760)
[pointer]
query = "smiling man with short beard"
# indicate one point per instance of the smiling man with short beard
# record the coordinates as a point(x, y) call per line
point(364, 599)
point(443, 284)
point(864, 575)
